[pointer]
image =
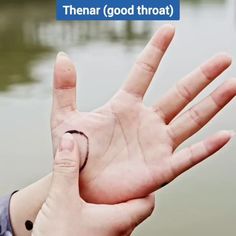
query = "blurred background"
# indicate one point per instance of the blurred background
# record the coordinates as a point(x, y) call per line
point(201, 202)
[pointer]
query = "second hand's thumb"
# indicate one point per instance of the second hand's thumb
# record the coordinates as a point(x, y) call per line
point(66, 166)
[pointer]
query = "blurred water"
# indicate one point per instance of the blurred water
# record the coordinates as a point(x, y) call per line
point(202, 202)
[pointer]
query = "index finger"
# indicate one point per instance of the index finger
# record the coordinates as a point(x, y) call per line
point(148, 61)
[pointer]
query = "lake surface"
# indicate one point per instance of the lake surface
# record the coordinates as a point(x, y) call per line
point(201, 202)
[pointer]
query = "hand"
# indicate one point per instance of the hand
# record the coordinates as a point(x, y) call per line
point(131, 147)
point(65, 213)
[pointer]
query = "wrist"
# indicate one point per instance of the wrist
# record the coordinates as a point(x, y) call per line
point(25, 205)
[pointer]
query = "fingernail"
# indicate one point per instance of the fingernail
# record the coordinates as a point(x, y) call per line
point(62, 54)
point(67, 143)
point(232, 133)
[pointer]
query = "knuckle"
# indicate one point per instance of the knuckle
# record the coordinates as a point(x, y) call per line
point(65, 165)
point(147, 67)
point(183, 91)
point(196, 117)
point(206, 74)
point(191, 156)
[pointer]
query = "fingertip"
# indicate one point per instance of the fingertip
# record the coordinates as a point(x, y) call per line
point(65, 168)
point(224, 58)
point(216, 65)
point(219, 140)
point(65, 149)
point(232, 133)
point(226, 134)
point(163, 37)
point(66, 159)
point(67, 143)
point(61, 54)
point(64, 72)
point(168, 28)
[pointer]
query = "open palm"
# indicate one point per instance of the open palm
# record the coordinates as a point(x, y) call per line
point(128, 148)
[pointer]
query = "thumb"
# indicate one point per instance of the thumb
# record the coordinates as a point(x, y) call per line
point(66, 167)
point(64, 86)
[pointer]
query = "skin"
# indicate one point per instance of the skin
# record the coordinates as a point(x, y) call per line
point(67, 214)
point(131, 146)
